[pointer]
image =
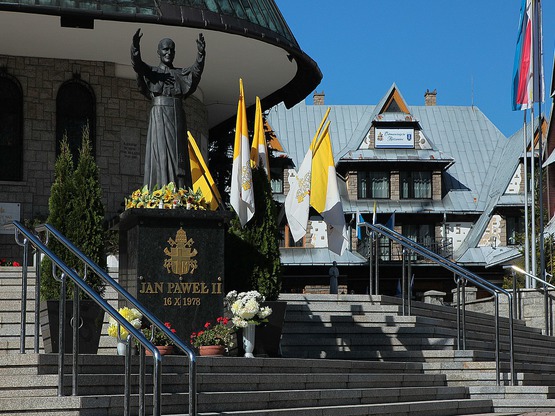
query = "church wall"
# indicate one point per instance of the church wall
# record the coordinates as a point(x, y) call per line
point(121, 127)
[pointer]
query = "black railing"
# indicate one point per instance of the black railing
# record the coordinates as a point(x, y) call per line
point(390, 251)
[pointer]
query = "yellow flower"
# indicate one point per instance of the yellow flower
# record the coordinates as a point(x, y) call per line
point(152, 204)
point(130, 204)
point(136, 194)
point(157, 193)
point(140, 204)
point(168, 196)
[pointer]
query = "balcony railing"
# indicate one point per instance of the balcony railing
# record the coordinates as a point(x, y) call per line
point(390, 251)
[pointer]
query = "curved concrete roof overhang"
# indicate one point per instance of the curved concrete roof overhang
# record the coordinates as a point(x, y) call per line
point(268, 57)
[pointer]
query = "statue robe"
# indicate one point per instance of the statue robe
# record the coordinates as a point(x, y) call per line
point(167, 156)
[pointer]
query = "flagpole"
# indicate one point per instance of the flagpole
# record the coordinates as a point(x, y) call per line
point(533, 122)
point(533, 195)
point(540, 94)
point(526, 208)
point(539, 80)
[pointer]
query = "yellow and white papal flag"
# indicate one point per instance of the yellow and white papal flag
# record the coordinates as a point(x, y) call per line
point(259, 149)
point(201, 177)
point(242, 192)
point(324, 193)
point(297, 201)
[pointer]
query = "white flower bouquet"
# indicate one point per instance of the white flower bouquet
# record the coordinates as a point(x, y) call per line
point(132, 315)
point(246, 308)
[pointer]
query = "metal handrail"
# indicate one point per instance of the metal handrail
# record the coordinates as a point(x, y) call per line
point(66, 271)
point(467, 275)
point(547, 315)
point(157, 323)
point(538, 279)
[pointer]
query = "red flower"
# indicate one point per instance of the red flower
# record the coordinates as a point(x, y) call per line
point(207, 325)
point(16, 264)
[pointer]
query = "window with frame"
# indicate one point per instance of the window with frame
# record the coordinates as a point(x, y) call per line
point(415, 184)
point(11, 128)
point(276, 181)
point(75, 109)
point(515, 229)
point(373, 185)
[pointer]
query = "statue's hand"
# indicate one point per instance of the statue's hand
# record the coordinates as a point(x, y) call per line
point(201, 44)
point(137, 38)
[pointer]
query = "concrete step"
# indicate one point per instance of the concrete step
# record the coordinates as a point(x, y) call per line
point(523, 405)
point(423, 408)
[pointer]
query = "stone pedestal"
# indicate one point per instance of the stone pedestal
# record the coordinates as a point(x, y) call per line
point(172, 261)
point(435, 297)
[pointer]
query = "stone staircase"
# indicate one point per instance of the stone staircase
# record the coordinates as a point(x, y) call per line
point(342, 355)
point(10, 313)
point(357, 327)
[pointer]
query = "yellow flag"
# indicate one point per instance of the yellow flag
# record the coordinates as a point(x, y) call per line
point(322, 160)
point(202, 179)
point(242, 192)
point(259, 149)
point(297, 201)
point(324, 193)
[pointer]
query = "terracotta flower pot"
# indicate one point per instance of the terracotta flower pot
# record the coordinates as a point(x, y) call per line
point(206, 350)
point(163, 349)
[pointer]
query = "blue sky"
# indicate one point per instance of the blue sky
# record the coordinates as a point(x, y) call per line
point(465, 49)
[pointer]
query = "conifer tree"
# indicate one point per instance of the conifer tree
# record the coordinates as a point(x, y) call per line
point(76, 210)
point(252, 252)
point(85, 221)
point(59, 205)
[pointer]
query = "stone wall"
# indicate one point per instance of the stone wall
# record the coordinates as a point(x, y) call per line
point(121, 126)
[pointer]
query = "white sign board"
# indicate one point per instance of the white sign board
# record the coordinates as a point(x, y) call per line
point(8, 213)
point(391, 138)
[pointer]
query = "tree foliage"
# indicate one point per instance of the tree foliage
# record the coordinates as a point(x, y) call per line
point(76, 210)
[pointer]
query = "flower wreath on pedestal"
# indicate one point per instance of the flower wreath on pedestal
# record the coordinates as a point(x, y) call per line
point(167, 197)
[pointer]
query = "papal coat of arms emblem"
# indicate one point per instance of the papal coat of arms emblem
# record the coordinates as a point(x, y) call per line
point(180, 254)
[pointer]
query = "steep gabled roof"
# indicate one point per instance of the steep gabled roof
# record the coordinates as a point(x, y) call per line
point(501, 170)
point(459, 134)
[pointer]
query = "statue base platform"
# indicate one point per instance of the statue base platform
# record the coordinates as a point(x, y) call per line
point(172, 261)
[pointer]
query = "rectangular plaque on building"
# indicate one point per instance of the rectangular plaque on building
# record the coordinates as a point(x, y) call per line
point(394, 138)
point(8, 213)
point(172, 261)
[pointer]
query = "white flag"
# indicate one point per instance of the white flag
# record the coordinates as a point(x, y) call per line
point(242, 193)
point(324, 196)
point(297, 201)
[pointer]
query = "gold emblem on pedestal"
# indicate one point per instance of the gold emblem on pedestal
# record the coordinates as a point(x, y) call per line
point(180, 254)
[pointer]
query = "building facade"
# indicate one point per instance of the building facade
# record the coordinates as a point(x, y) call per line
point(443, 176)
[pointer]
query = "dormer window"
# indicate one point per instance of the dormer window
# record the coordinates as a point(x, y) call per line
point(373, 185)
point(416, 184)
